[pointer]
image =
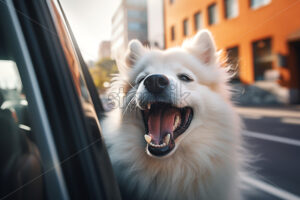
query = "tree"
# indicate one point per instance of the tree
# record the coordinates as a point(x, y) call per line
point(102, 72)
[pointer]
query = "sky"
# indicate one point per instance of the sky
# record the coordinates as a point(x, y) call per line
point(90, 21)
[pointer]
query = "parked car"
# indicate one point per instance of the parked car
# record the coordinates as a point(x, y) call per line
point(50, 136)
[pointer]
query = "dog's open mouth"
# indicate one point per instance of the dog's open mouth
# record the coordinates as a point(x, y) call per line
point(164, 124)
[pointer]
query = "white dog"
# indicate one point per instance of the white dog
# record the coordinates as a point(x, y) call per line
point(177, 135)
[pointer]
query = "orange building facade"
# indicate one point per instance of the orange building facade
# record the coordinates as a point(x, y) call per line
point(264, 33)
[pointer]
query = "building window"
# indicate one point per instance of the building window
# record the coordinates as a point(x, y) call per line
point(172, 33)
point(212, 14)
point(233, 62)
point(197, 21)
point(136, 14)
point(231, 8)
point(135, 26)
point(185, 27)
point(262, 58)
point(258, 3)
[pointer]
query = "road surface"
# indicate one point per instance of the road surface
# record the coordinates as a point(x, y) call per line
point(273, 135)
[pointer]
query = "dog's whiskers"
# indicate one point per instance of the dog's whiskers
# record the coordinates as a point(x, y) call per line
point(130, 103)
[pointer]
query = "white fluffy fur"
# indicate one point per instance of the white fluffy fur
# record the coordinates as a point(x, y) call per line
point(208, 159)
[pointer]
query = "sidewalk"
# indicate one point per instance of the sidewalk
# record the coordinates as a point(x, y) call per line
point(270, 111)
point(282, 117)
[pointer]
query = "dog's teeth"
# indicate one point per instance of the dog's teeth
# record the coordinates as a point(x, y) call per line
point(177, 121)
point(147, 138)
point(157, 145)
point(149, 106)
point(167, 139)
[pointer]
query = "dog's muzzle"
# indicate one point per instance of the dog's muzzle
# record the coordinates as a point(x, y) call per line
point(164, 121)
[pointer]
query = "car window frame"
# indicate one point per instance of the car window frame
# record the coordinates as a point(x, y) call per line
point(98, 105)
point(36, 107)
point(94, 171)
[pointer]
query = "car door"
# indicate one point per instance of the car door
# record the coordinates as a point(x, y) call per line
point(65, 125)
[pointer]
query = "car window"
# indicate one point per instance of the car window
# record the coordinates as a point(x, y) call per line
point(26, 166)
point(20, 157)
point(92, 135)
point(12, 97)
point(74, 66)
point(49, 131)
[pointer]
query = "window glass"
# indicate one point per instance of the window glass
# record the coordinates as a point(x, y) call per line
point(8, 75)
point(172, 33)
point(136, 2)
point(20, 158)
point(11, 95)
point(231, 8)
point(135, 26)
point(185, 27)
point(72, 59)
point(262, 56)
point(233, 61)
point(212, 14)
point(259, 3)
point(198, 21)
point(136, 14)
point(76, 70)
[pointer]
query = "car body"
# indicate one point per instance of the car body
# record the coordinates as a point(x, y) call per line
point(51, 143)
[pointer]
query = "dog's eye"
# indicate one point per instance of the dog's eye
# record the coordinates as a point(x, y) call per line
point(184, 77)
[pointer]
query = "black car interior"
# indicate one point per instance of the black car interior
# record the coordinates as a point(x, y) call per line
point(20, 166)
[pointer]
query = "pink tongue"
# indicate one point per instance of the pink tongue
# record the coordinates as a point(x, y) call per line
point(160, 122)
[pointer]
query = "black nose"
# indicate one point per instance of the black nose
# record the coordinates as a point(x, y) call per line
point(156, 83)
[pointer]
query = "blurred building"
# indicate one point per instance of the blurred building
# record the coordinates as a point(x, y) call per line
point(156, 34)
point(261, 37)
point(90, 63)
point(104, 50)
point(128, 22)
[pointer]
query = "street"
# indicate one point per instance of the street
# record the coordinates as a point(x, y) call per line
point(273, 136)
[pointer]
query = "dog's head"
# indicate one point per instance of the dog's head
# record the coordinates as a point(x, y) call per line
point(169, 90)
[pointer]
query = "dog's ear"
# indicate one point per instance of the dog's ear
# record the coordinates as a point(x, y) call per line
point(134, 52)
point(203, 47)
